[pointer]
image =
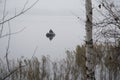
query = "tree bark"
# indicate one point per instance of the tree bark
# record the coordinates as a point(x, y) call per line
point(90, 75)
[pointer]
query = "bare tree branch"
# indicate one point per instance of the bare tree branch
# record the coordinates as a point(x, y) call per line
point(109, 27)
point(4, 10)
point(20, 13)
point(25, 5)
point(12, 72)
point(8, 46)
point(12, 33)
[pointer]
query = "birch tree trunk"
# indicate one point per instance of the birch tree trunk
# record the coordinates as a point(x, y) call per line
point(90, 75)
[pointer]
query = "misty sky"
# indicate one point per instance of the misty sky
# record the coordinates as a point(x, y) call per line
point(58, 15)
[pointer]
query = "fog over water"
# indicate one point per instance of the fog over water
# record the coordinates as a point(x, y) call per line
point(58, 15)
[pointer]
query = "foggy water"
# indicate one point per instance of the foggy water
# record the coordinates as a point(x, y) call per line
point(37, 22)
point(68, 30)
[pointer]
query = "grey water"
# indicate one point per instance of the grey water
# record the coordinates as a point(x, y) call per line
point(32, 41)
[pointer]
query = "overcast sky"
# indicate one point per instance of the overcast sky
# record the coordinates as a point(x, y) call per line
point(48, 7)
point(59, 15)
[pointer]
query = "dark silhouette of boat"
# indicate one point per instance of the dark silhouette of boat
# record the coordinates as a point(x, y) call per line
point(50, 34)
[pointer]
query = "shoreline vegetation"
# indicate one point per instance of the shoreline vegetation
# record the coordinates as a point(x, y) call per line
point(70, 68)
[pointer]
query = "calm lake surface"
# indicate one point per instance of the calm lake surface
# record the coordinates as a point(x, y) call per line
point(68, 30)
point(45, 15)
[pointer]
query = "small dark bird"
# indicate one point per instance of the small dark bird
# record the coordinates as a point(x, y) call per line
point(50, 34)
point(99, 6)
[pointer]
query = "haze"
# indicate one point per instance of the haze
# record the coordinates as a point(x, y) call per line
point(58, 15)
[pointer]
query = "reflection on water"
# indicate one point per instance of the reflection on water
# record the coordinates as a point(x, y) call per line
point(70, 32)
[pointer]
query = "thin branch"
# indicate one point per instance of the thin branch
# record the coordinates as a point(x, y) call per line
point(20, 13)
point(25, 5)
point(12, 72)
point(35, 51)
point(3, 18)
point(8, 46)
point(12, 33)
point(110, 21)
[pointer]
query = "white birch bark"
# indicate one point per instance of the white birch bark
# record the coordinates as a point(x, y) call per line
point(90, 75)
